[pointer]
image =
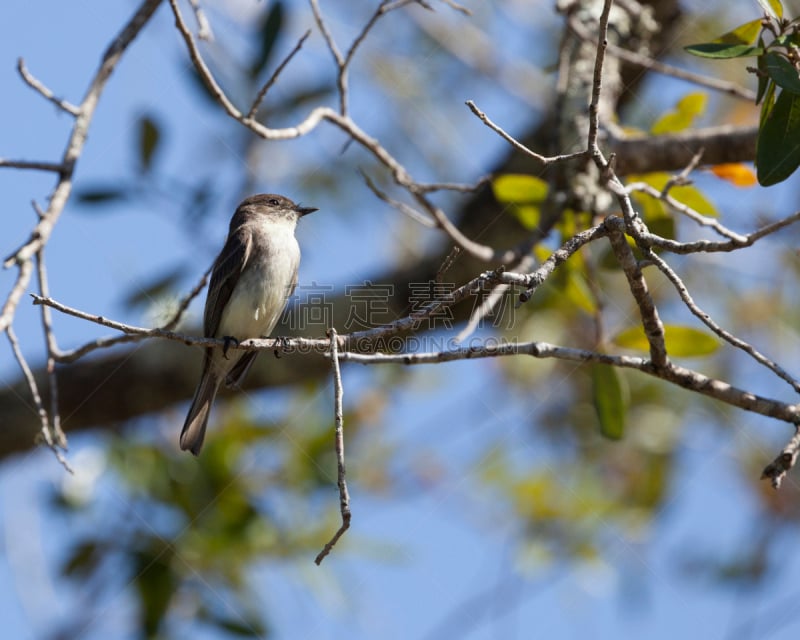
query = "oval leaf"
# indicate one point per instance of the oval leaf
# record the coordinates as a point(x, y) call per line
point(734, 44)
point(721, 51)
point(519, 188)
point(781, 71)
point(609, 400)
point(778, 146)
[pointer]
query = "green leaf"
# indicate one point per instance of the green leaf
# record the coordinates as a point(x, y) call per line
point(763, 79)
point(269, 32)
point(722, 51)
point(682, 342)
point(781, 71)
point(519, 188)
point(772, 8)
point(778, 146)
point(149, 135)
point(737, 43)
point(609, 401)
point(683, 116)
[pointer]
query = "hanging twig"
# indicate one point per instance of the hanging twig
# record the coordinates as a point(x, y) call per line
point(341, 477)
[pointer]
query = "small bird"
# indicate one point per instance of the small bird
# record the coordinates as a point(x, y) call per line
point(251, 280)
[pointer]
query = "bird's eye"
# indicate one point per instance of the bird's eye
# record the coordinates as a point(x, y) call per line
point(274, 202)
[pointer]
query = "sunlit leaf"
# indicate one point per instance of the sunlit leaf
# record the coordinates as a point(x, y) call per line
point(733, 44)
point(682, 342)
point(772, 8)
point(781, 71)
point(736, 173)
point(519, 188)
point(778, 146)
point(609, 400)
point(149, 136)
point(683, 116)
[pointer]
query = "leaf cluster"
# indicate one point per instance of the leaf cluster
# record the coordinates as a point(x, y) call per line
point(773, 40)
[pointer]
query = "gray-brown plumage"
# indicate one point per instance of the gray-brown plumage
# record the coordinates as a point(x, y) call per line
point(252, 278)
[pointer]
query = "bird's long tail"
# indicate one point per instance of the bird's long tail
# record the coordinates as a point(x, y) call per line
point(194, 429)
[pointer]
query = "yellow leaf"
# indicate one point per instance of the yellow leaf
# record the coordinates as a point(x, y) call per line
point(683, 116)
point(518, 188)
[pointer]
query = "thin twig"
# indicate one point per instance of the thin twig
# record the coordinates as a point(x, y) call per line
point(651, 322)
point(37, 399)
point(683, 177)
point(594, 111)
point(261, 94)
point(341, 475)
point(36, 85)
point(32, 164)
point(426, 187)
point(749, 349)
point(686, 210)
point(52, 349)
point(402, 207)
point(187, 300)
point(313, 119)
point(545, 160)
point(457, 7)
point(326, 34)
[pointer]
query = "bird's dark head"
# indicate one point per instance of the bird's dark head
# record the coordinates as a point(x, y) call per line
point(270, 205)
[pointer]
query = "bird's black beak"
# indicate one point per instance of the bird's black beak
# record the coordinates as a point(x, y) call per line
point(304, 211)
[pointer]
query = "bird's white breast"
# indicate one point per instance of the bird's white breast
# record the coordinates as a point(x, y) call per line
point(257, 301)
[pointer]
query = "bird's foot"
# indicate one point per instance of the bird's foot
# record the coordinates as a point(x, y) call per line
point(228, 341)
point(283, 345)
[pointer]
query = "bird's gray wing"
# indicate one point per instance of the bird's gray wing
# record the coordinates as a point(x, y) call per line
point(227, 268)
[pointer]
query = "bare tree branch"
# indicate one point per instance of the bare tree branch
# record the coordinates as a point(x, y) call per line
point(36, 85)
point(341, 474)
point(262, 94)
